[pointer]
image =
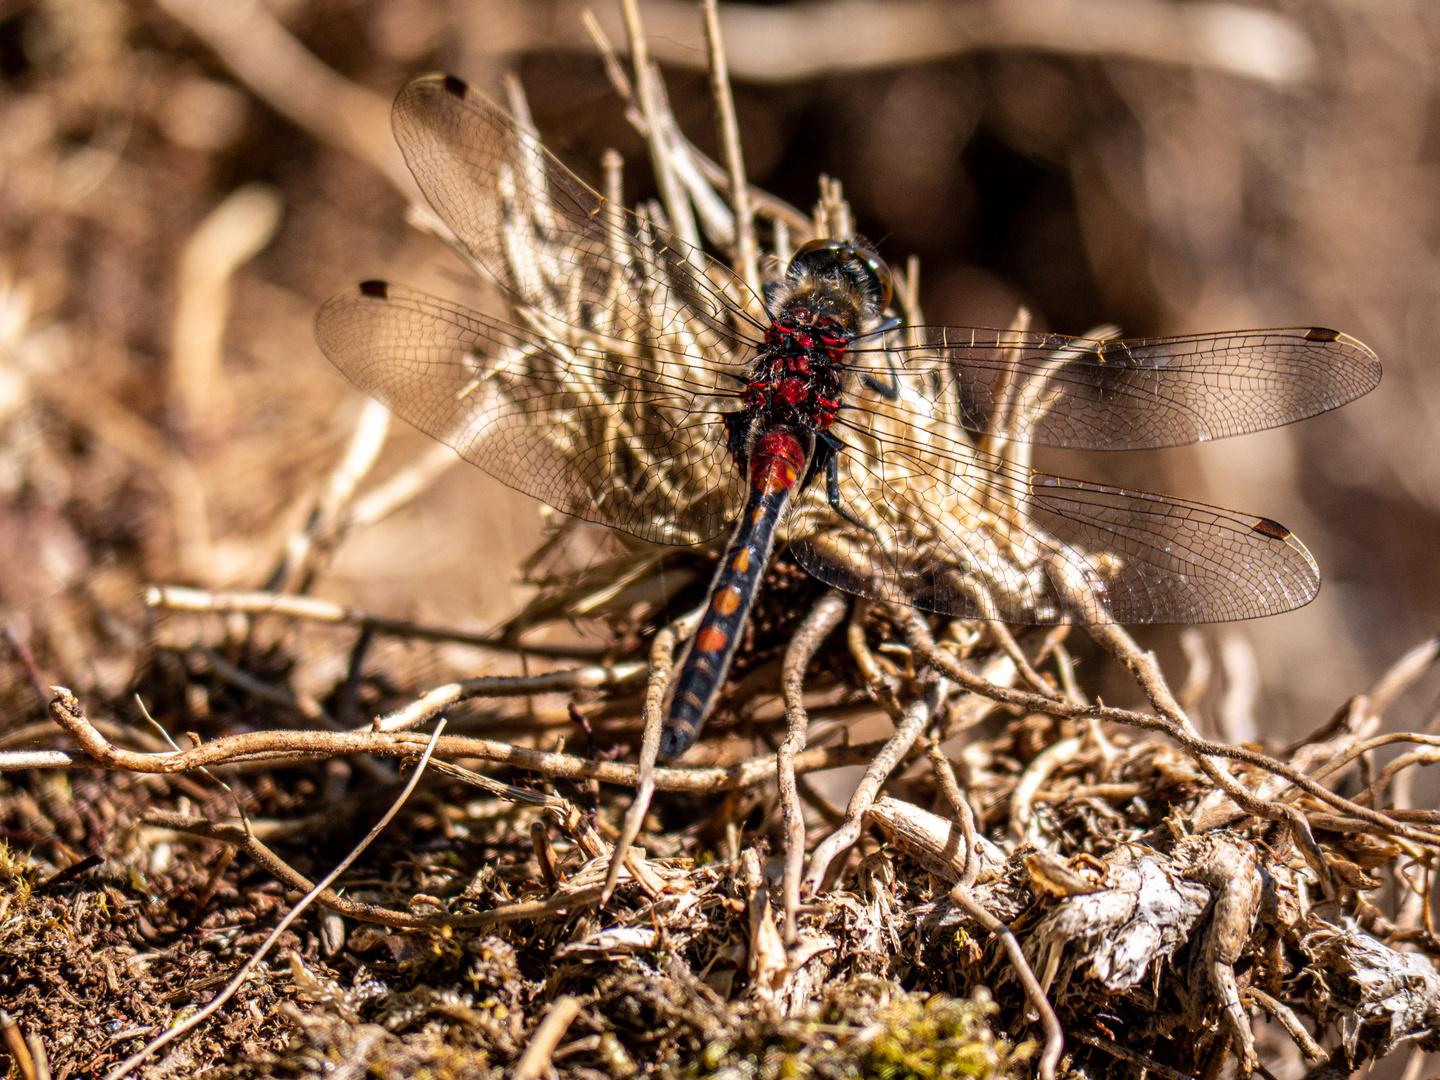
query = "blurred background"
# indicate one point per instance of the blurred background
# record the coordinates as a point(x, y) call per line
point(182, 182)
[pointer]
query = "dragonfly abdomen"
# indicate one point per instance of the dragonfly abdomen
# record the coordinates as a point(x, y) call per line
point(778, 461)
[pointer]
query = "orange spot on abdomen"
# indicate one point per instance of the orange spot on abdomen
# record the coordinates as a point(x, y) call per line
point(726, 601)
point(711, 639)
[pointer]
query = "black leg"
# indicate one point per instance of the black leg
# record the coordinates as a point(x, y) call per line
point(889, 391)
point(832, 484)
point(875, 385)
point(883, 327)
point(737, 435)
point(828, 458)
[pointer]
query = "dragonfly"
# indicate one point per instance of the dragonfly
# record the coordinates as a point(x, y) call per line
point(640, 384)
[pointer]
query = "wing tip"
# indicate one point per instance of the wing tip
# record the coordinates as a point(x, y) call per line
point(1366, 357)
point(455, 86)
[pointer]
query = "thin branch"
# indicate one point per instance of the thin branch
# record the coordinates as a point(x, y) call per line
point(926, 651)
point(648, 89)
point(823, 618)
point(178, 598)
point(1426, 756)
point(1364, 746)
point(213, 1006)
point(1012, 649)
point(945, 773)
point(1054, 1035)
point(1145, 671)
point(299, 745)
point(912, 722)
point(1289, 1021)
point(745, 250)
point(662, 659)
point(441, 698)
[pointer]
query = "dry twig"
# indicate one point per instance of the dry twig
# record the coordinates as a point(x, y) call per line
point(217, 1002)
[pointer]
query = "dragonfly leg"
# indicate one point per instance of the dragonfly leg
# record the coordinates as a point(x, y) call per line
point(829, 448)
point(890, 391)
point(869, 381)
point(737, 435)
point(884, 326)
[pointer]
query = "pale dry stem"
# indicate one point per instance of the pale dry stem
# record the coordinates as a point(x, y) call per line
point(217, 1002)
point(292, 746)
point(232, 234)
point(926, 651)
point(811, 40)
point(911, 723)
point(15, 1044)
point(535, 1061)
point(823, 618)
point(309, 546)
point(259, 602)
point(662, 660)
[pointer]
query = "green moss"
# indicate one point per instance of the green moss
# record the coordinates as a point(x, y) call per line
point(872, 1028)
point(934, 1038)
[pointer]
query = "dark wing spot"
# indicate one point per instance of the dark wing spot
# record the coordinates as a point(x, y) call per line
point(455, 86)
point(1272, 529)
point(378, 289)
point(1319, 333)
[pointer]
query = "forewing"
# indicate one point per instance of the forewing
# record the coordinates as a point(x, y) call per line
point(635, 443)
point(547, 236)
point(977, 536)
point(1089, 394)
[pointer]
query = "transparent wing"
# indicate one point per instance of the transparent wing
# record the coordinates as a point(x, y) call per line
point(548, 237)
point(947, 528)
point(1087, 394)
point(636, 443)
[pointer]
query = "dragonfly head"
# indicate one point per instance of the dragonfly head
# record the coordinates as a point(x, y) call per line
point(845, 274)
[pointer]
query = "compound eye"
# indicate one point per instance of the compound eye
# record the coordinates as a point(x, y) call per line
point(815, 255)
point(876, 266)
point(818, 245)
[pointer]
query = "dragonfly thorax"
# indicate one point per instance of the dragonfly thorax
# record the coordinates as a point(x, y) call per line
point(799, 375)
point(831, 291)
